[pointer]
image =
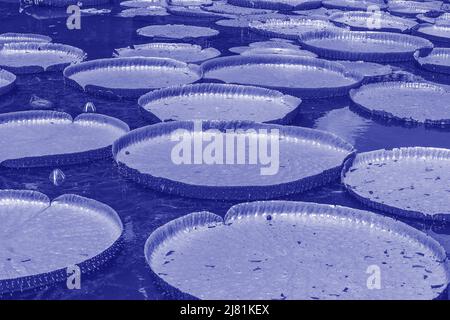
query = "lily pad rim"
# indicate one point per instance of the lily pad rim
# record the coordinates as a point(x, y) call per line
point(238, 212)
point(215, 89)
point(425, 152)
point(8, 286)
point(213, 33)
point(423, 62)
point(39, 38)
point(235, 60)
point(337, 17)
point(167, 46)
point(229, 192)
point(398, 83)
point(75, 52)
point(17, 118)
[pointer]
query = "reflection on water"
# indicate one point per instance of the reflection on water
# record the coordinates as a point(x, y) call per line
point(343, 123)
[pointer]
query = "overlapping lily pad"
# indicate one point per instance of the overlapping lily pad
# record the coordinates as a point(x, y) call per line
point(411, 182)
point(410, 9)
point(51, 13)
point(440, 19)
point(437, 61)
point(439, 33)
point(301, 76)
point(186, 3)
point(274, 43)
point(28, 57)
point(243, 21)
point(196, 12)
point(278, 51)
point(142, 3)
point(176, 31)
point(213, 101)
point(278, 4)
point(7, 81)
point(290, 28)
point(149, 11)
point(179, 51)
point(23, 37)
point(366, 46)
point(353, 5)
point(66, 3)
point(129, 77)
point(223, 7)
point(300, 159)
point(295, 250)
point(369, 21)
point(43, 241)
point(410, 102)
point(47, 138)
point(319, 12)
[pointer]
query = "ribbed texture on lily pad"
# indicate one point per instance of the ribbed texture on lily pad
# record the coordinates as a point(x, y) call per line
point(282, 5)
point(36, 57)
point(129, 77)
point(437, 61)
point(299, 76)
point(49, 138)
point(215, 101)
point(367, 46)
point(7, 81)
point(134, 154)
point(265, 243)
point(409, 182)
point(66, 3)
point(410, 102)
point(27, 265)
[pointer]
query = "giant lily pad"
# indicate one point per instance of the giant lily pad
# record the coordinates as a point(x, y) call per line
point(418, 102)
point(411, 182)
point(366, 46)
point(304, 76)
point(129, 77)
point(33, 57)
point(289, 159)
point(295, 250)
point(43, 240)
point(46, 138)
point(213, 101)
